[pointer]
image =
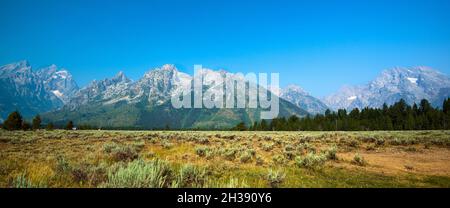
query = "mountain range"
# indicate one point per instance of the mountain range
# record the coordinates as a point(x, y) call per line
point(410, 84)
point(145, 103)
point(119, 101)
point(32, 92)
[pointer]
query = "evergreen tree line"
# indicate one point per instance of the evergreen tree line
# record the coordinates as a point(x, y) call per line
point(16, 122)
point(399, 116)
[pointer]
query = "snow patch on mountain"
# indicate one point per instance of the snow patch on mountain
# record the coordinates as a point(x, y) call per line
point(298, 96)
point(412, 80)
point(57, 93)
point(411, 84)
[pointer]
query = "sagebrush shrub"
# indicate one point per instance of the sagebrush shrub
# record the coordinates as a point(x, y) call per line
point(201, 151)
point(245, 157)
point(139, 174)
point(22, 181)
point(279, 159)
point(62, 166)
point(190, 176)
point(311, 160)
point(331, 153)
point(124, 153)
point(275, 178)
point(359, 160)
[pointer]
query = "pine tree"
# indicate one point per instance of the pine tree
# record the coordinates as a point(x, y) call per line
point(36, 122)
point(425, 106)
point(13, 122)
point(50, 126)
point(255, 126)
point(446, 112)
point(446, 106)
point(69, 125)
point(26, 126)
point(263, 126)
point(240, 127)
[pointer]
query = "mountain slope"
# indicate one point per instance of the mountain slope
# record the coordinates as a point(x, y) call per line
point(22, 90)
point(303, 100)
point(58, 81)
point(410, 84)
point(146, 103)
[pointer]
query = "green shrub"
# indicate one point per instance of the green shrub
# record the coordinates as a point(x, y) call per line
point(279, 159)
point(124, 153)
point(359, 160)
point(140, 174)
point(289, 154)
point(397, 141)
point(288, 148)
point(245, 157)
point(190, 176)
point(202, 140)
point(139, 145)
point(331, 153)
point(306, 147)
point(166, 144)
point(311, 160)
point(380, 141)
point(62, 166)
point(259, 160)
point(267, 146)
point(371, 147)
point(411, 149)
point(108, 147)
point(353, 143)
point(275, 178)
point(229, 183)
point(201, 151)
point(79, 173)
point(229, 153)
point(22, 181)
point(368, 139)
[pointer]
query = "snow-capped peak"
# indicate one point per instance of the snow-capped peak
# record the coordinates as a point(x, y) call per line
point(410, 84)
point(63, 74)
point(298, 96)
point(22, 67)
point(294, 88)
point(412, 80)
point(169, 67)
point(352, 97)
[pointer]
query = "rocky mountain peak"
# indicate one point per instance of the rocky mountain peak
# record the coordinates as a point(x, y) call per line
point(411, 84)
point(298, 96)
point(120, 77)
point(15, 69)
point(292, 88)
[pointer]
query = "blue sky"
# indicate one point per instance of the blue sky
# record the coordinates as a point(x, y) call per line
point(320, 45)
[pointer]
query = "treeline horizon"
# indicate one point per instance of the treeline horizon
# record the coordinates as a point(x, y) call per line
point(399, 116)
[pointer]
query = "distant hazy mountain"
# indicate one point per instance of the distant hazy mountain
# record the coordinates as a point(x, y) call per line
point(32, 92)
point(119, 102)
point(410, 84)
point(302, 99)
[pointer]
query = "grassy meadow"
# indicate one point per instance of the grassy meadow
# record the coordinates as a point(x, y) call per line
point(113, 159)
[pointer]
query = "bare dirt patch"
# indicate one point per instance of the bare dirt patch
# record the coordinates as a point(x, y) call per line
point(393, 161)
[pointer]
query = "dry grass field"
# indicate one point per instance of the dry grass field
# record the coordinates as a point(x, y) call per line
point(224, 159)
